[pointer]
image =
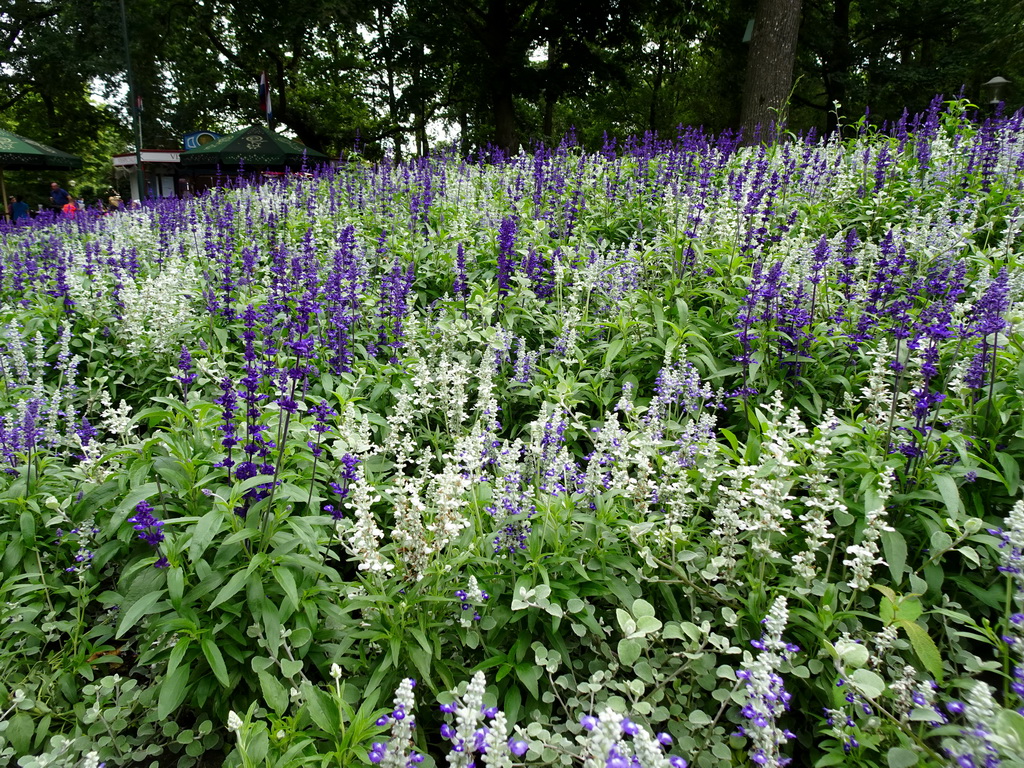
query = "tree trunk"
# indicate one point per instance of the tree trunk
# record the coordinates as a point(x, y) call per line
point(656, 83)
point(770, 68)
point(497, 38)
point(838, 68)
point(505, 120)
point(550, 94)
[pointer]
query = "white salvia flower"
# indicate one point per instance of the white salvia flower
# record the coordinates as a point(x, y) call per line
point(606, 734)
point(498, 754)
point(16, 349)
point(158, 307)
point(566, 345)
point(446, 498)
point(234, 722)
point(824, 499)
point(364, 539)
point(400, 744)
point(452, 380)
point(977, 744)
point(354, 430)
point(767, 698)
point(409, 533)
point(399, 440)
point(882, 642)
point(626, 404)
point(864, 556)
point(467, 715)
point(610, 463)
point(118, 420)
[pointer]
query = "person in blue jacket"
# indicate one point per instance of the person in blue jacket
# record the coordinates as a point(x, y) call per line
point(19, 208)
point(58, 197)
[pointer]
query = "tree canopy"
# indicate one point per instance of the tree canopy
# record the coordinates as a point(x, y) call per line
point(391, 77)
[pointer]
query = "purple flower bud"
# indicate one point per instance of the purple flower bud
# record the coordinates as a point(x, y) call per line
point(517, 747)
point(589, 722)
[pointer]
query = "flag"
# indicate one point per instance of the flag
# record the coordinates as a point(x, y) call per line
point(138, 103)
point(265, 96)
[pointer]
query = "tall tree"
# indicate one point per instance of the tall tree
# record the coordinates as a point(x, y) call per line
point(769, 77)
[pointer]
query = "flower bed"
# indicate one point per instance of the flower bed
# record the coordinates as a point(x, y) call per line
point(678, 451)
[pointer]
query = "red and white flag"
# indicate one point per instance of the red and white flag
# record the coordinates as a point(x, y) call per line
point(265, 96)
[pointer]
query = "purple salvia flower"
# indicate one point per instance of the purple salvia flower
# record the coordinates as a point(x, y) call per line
point(150, 529)
point(506, 255)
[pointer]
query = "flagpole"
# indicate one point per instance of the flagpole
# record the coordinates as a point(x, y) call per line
point(133, 108)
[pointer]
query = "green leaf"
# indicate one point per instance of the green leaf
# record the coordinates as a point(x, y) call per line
point(851, 653)
point(909, 609)
point(529, 674)
point(284, 577)
point(229, 590)
point(274, 693)
point(19, 732)
point(1011, 724)
point(1011, 472)
point(127, 505)
point(950, 494)
point(172, 692)
point(699, 717)
point(642, 608)
point(28, 528)
point(177, 654)
point(215, 660)
point(886, 611)
point(145, 605)
point(895, 548)
point(940, 541)
point(100, 496)
point(208, 526)
point(322, 709)
point(901, 757)
point(645, 625)
point(629, 651)
point(867, 682)
point(614, 347)
point(924, 647)
point(175, 584)
point(291, 667)
point(626, 623)
point(513, 703)
point(421, 659)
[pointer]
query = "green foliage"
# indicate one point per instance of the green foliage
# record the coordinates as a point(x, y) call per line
point(571, 428)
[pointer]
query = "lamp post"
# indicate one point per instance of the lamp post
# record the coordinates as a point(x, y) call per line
point(994, 88)
point(133, 107)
